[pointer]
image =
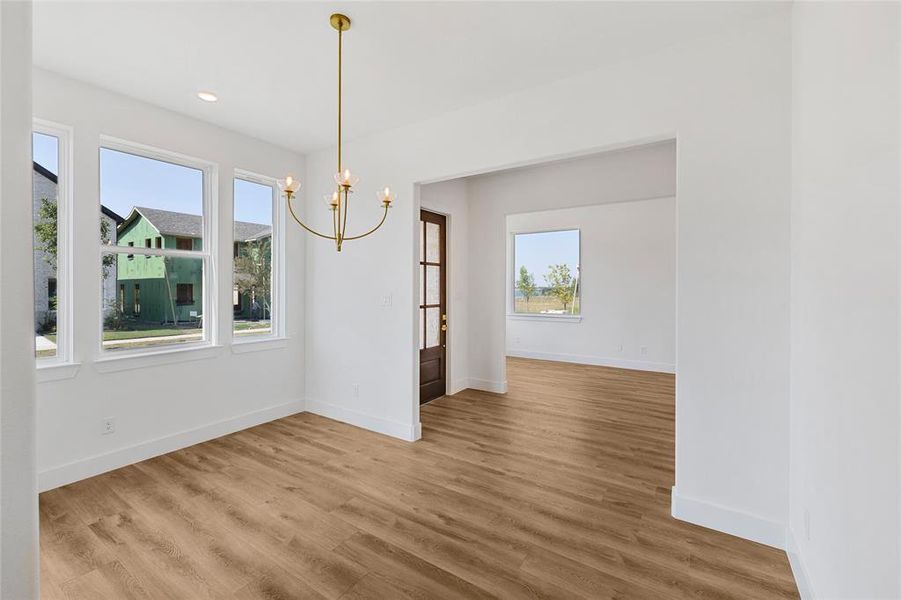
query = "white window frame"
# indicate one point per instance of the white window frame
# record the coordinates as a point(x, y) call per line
point(64, 253)
point(511, 306)
point(277, 320)
point(210, 294)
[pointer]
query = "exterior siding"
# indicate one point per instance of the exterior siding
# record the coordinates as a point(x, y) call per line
point(158, 277)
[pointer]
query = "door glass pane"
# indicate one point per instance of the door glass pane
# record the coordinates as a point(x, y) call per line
point(421, 329)
point(432, 323)
point(44, 199)
point(422, 284)
point(433, 285)
point(432, 242)
point(422, 240)
point(160, 301)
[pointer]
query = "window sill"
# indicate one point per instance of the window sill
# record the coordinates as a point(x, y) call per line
point(152, 358)
point(55, 371)
point(242, 345)
point(541, 317)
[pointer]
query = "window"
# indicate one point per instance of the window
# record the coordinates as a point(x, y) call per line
point(136, 307)
point(184, 293)
point(546, 276)
point(51, 234)
point(255, 257)
point(166, 203)
point(51, 293)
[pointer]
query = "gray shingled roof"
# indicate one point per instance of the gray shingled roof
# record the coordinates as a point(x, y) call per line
point(185, 225)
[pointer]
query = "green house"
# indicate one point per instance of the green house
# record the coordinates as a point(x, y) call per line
point(158, 289)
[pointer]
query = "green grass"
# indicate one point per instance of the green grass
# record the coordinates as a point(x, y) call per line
point(109, 336)
point(538, 304)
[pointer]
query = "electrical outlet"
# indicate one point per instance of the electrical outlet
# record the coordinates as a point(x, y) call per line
point(356, 388)
point(644, 350)
point(386, 301)
point(108, 426)
point(619, 348)
point(807, 524)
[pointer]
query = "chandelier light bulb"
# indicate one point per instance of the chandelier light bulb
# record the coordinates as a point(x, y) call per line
point(385, 196)
point(346, 179)
point(289, 185)
point(331, 200)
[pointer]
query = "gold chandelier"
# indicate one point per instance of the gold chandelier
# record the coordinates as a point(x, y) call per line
point(337, 201)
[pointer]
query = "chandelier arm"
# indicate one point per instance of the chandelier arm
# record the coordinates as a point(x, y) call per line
point(362, 235)
point(301, 223)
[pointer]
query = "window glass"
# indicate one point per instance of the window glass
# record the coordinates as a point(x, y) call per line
point(45, 184)
point(159, 303)
point(546, 276)
point(153, 294)
point(252, 263)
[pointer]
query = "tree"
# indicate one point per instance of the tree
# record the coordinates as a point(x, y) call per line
point(561, 283)
point(526, 283)
point(46, 233)
point(45, 230)
point(253, 271)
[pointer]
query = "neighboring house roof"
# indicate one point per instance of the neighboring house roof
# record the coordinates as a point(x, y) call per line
point(44, 172)
point(186, 225)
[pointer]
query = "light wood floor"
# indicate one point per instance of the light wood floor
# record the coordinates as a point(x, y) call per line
point(560, 489)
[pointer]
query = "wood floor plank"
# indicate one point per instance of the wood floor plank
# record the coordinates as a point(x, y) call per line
point(558, 489)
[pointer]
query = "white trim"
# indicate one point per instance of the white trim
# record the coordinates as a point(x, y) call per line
point(457, 385)
point(54, 477)
point(562, 318)
point(258, 344)
point(404, 431)
point(728, 520)
point(123, 360)
point(55, 371)
point(601, 361)
point(208, 253)
point(802, 580)
point(65, 236)
point(486, 385)
point(277, 312)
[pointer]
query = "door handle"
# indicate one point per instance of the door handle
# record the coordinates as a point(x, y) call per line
point(444, 327)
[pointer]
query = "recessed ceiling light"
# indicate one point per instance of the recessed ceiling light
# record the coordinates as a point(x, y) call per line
point(207, 96)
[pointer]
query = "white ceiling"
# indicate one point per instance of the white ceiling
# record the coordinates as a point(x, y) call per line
point(273, 64)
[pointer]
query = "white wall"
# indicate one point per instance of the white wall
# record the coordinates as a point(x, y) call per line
point(845, 414)
point(727, 100)
point(159, 408)
point(627, 288)
point(451, 198)
point(18, 484)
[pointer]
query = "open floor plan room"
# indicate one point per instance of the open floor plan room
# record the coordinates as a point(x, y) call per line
point(450, 300)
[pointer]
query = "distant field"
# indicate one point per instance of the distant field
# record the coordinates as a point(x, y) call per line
point(538, 304)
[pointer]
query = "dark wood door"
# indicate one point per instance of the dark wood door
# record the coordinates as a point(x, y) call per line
point(432, 306)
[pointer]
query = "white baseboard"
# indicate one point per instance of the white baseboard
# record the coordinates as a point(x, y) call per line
point(55, 477)
point(403, 431)
point(728, 520)
point(601, 361)
point(802, 580)
point(486, 385)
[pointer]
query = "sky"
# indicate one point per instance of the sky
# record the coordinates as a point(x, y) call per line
point(127, 180)
point(45, 151)
point(539, 250)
